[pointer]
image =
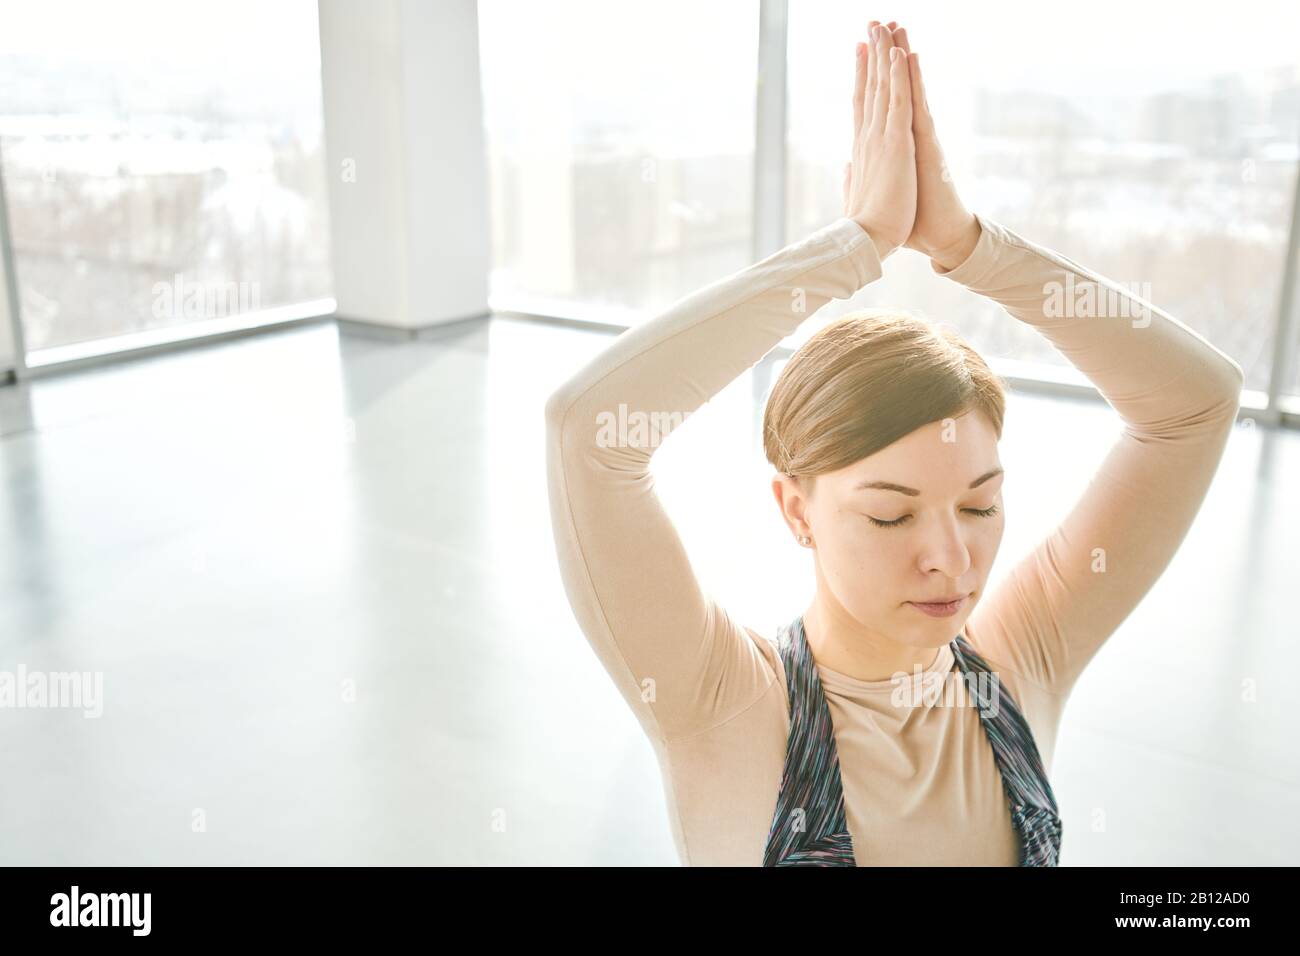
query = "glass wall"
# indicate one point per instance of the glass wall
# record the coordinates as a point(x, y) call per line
point(163, 163)
point(621, 151)
point(1155, 144)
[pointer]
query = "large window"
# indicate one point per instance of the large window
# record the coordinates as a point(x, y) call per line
point(621, 151)
point(1156, 144)
point(163, 163)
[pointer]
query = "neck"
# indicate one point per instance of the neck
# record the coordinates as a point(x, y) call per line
point(843, 644)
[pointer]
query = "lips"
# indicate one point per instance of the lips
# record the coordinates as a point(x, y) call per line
point(940, 608)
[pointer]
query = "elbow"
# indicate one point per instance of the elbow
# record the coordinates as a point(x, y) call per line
point(557, 407)
point(1220, 415)
point(1227, 403)
point(561, 403)
point(1210, 413)
point(1220, 394)
point(1237, 374)
point(592, 440)
point(564, 411)
point(560, 450)
point(1235, 378)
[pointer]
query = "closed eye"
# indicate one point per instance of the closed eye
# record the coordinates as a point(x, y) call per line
point(983, 513)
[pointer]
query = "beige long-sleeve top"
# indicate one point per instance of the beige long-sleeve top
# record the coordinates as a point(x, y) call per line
point(920, 783)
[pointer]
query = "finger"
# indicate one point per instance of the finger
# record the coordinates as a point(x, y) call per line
point(859, 89)
point(920, 106)
point(880, 108)
point(869, 91)
point(901, 41)
point(892, 25)
point(900, 93)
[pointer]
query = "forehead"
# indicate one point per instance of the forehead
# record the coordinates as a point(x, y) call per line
point(942, 456)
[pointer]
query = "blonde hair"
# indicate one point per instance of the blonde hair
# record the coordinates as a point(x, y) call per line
point(866, 380)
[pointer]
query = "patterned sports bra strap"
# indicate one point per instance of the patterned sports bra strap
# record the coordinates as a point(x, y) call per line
point(809, 826)
point(1034, 812)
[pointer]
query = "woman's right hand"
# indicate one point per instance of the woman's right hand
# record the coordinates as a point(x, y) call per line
point(880, 180)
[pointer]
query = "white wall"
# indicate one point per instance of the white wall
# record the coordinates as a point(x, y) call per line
point(403, 113)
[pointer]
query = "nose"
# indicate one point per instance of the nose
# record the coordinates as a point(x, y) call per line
point(945, 549)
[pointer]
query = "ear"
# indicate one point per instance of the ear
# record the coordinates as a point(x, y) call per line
point(790, 500)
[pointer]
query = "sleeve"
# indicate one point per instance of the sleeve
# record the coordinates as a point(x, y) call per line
point(1177, 396)
point(682, 662)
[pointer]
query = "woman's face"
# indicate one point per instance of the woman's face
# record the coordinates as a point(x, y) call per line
point(937, 543)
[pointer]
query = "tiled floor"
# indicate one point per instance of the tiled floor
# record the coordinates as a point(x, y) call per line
point(316, 574)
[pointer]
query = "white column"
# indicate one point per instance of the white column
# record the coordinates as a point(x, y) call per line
point(11, 336)
point(7, 363)
point(406, 162)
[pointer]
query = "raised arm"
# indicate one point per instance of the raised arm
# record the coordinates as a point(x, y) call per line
point(1176, 394)
point(677, 657)
point(680, 660)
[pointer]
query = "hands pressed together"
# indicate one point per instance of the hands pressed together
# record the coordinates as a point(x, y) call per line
point(896, 185)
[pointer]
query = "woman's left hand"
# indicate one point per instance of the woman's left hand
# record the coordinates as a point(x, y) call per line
point(944, 229)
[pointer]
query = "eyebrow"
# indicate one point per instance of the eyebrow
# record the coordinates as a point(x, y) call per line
point(903, 489)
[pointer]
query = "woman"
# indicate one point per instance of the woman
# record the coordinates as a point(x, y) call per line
point(827, 745)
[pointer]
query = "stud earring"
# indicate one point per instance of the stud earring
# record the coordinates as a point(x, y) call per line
point(804, 541)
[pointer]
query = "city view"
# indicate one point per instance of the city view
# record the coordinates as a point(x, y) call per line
point(611, 202)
